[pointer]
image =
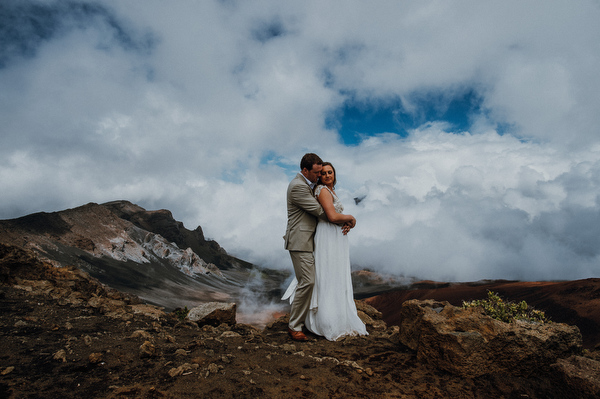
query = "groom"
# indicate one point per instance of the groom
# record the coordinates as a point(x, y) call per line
point(303, 211)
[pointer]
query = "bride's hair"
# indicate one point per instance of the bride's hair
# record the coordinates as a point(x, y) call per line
point(334, 174)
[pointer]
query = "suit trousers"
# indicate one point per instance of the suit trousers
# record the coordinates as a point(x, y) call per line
point(304, 267)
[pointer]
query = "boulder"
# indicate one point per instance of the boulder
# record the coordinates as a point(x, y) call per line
point(213, 313)
point(581, 374)
point(469, 343)
point(369, 310)
point(370, 316)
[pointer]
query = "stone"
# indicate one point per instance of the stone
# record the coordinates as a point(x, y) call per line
point(149, 310)
point(362, 306)
point(289, 347)
point(60, 355)
point(230, 334)
point(141, 334)
point(246, 330)
point(581, 374)
point(227, 358)
point(213, 313)
point(147, 349)
point(469, 343)
point(212, 369)
point(370, 322)
point(170, 338)
point(95, 301)
point(183, 369)
point(95, 358)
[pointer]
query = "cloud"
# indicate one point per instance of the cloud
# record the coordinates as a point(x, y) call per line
point(478, 206)
point(205, 108)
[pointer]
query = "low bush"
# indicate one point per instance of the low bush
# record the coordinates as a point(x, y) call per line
point(497, 308)
point(181, 313)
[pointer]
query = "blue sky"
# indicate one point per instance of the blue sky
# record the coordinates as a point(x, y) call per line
point(357, 119)
point(470, 130)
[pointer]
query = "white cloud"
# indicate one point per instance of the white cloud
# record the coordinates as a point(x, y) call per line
point(205, 108)
point(465, 207)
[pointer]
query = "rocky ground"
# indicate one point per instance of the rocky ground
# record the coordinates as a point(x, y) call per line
point(62, 334)
point(571, 302)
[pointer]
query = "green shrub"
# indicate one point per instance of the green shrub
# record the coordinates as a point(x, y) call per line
point(495, 307)
point(181, 313)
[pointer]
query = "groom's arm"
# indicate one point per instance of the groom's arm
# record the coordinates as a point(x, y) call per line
point(301, 196)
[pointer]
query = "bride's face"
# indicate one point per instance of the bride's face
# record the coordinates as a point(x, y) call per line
point(327, 175)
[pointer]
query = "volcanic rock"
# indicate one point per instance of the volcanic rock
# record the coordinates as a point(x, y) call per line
point(370, 316)
point(213, 313)
point(574, 302)
point(581, 374)
point(145, 253)
point(466, 342)
point(148, 349)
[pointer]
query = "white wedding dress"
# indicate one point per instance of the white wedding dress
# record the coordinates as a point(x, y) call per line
point(332, 310)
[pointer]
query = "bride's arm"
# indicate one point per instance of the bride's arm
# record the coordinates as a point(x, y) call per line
point(326, 200)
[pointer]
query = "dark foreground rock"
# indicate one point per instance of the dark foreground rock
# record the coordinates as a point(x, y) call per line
point(62, 334)
point(581, 373)
point(213, 313)
point(465, 341)
point(574, 302)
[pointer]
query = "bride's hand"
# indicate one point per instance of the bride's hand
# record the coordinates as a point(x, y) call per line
point(346, 228)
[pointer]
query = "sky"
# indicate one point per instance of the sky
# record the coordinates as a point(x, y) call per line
point(465, 134)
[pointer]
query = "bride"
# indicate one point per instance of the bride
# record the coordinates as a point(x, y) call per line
point(332, 310)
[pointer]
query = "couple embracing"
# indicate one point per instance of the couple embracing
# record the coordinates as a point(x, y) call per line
point(321, 292)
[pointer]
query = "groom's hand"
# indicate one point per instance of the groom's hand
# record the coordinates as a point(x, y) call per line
point(352, 223)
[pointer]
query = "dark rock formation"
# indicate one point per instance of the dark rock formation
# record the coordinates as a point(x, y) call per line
point(582, 374)
point(213, 313)
point(465, 341)
point(571, 302)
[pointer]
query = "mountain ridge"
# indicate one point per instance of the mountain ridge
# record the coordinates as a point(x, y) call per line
point(162, 222)
point(145, 253)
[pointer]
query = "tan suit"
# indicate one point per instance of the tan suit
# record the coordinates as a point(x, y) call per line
point(303, 212)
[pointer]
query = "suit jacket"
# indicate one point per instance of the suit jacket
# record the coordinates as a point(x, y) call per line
point(303, 211)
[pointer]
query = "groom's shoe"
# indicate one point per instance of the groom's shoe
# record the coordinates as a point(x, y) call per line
point(297, 335)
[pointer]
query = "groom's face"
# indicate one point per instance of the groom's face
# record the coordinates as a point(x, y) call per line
point(313, 174)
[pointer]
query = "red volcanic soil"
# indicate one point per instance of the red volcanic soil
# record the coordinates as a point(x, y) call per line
point(572, 302)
